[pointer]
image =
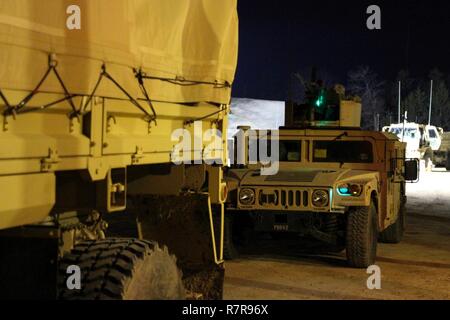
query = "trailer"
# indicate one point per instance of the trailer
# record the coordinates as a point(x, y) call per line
point(92, 96)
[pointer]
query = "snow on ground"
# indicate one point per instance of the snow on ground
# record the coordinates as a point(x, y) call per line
point(431, 195)
point(259, 114)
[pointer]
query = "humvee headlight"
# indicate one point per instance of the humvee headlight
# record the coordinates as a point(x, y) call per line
point(354, 190)
point(344, 190)
point(320, 198)
point(247, 196)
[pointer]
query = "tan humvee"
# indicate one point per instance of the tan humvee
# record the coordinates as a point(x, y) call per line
point(335, 182)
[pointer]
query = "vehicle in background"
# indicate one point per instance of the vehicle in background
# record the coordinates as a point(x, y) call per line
point(337, 183)
point(441, 157)
point(421, 140)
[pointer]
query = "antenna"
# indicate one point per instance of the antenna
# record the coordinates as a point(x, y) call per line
point(399, 100)
point(431, 102)
point(404, 125)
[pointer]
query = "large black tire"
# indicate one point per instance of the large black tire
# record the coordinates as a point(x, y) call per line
point(122, 269)
point(394, 233)
point(230, 251)
point(362, 236)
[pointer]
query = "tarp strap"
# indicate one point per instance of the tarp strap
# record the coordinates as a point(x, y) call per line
point(75, 112)
point(184, 82)
point(140, 78)
point(4, 99)
point(19, 108)
point(91, 96)
point(50, 104)
point(189, 122)
point(16, 109)
point(105, 74)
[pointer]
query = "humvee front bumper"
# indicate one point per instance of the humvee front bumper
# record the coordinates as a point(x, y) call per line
point(293, 199)
point(270, 221)
point(316, 225)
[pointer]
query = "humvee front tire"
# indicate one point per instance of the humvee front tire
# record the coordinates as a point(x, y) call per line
point(122, 269)
point(394, 233)
point(362, 236)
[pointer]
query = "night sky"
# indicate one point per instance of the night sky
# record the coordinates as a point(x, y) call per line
point(281, 37)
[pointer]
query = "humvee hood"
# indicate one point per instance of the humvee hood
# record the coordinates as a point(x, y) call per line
point(304, 177)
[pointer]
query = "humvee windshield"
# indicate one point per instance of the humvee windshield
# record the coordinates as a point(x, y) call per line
point(432, 133)
point(289, 150)
point(409, 132)
point(395, 131)
point(343, 151)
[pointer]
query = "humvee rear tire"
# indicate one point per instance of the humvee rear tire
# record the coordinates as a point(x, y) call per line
point(230, 251)
point(394, 233)
point(362, 236)
point(122, 269)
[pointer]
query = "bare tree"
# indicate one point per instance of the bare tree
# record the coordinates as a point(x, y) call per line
point(441, 103)
point(364, 82)
point(416, 105)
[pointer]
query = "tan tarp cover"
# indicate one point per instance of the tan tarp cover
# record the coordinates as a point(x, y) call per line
point(190, 39)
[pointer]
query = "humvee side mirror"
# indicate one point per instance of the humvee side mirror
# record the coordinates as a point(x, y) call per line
point(412, 170)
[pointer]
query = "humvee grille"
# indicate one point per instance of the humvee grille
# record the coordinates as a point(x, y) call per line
point(284, 198)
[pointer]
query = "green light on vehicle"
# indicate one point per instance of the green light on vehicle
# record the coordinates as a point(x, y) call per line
point(320, 100)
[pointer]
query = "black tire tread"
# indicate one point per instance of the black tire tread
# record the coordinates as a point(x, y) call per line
point(360, 219)
point(394, 233)
point(106, 266)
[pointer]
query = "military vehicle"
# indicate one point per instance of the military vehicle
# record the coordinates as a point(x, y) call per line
point(441, 157)
point(421, 140)
point(337, 183)
point(90, 97)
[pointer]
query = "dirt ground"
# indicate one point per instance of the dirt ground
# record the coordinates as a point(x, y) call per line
point(417, 268)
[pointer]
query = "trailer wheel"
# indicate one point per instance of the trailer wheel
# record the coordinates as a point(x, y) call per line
point(394, 233)
point(362, 236)
point(122, 269)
